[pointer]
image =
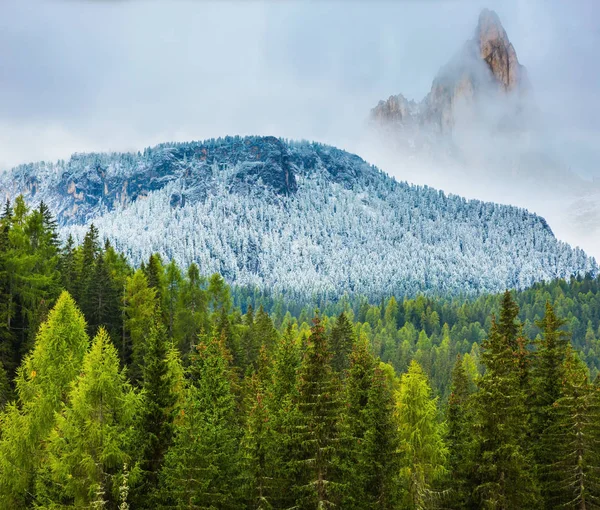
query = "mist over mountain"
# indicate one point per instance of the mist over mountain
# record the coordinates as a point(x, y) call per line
point(301, 219)
point(479, 132)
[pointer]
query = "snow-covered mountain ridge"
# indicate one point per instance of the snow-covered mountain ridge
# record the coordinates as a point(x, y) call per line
point(298, 218)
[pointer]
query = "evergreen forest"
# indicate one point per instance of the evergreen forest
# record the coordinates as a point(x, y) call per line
point(161, 386)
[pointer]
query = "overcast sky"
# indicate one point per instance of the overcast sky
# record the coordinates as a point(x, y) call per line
point(81, 75)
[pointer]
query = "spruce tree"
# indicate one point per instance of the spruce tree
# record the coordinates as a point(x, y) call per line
point(281, 407)
point(342, 339)
point(505, 467)
point(258, 452)
point(191, 316)
point(318, 405)
point(158, 413)
point(369, 460)
point(548, 381)
point(572, 478)
point(459, 438)
point(173, 283)
point(264, 331)
point(200, 469)
point(103, 300)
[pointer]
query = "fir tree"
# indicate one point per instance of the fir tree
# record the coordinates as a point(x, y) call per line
point(342, 339)
point(505, 477)
point(318, 435)
point(158, 413)
point(200, 468)
point(459, 438)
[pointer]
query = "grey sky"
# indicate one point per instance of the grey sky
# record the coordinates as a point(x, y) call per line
point(120, 75)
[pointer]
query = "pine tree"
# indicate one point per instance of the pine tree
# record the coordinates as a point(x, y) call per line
point(93, 436)
point(342, 339)
point(505, 477)
point(318, 406)
point(43, 381)
point(422, 446)
point(200, 468)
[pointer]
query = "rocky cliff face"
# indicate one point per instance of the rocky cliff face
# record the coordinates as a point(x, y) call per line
point(486, 69)
point(498, 52)
point(88, 185)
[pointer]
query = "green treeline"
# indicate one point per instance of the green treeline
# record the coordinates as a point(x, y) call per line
point(154, 388)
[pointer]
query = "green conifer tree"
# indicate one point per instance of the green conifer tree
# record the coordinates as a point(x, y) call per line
point(459, 438)
point(505, 467)
point(93, 436)
point(200, 469)
point(140, 307)
point(158, 413)
point(43, 381)
point(342, 338)
point(318, 405)
point(422, 445)
point(572, 479)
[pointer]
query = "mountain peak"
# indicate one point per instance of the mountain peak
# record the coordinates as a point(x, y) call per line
point(497, 51)
point(485, 69)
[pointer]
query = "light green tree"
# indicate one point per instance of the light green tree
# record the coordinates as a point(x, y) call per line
point(422, 446)
point(94, 434)
point(43, 382)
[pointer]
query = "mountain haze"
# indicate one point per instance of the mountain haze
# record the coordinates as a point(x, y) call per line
point(479, 132)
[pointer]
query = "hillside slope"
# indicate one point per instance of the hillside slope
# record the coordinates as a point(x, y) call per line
point(298, 218)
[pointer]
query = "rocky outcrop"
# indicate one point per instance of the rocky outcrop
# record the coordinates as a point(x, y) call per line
point(485, 69)
point(89, 185)
point(498, 52)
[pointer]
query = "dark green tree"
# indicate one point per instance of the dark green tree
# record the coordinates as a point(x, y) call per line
point(460, 440)
point(318, 404)
point(158, 414)
point(342, 338)
point(505, 467)
point(201, 468)
point(572, 480)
